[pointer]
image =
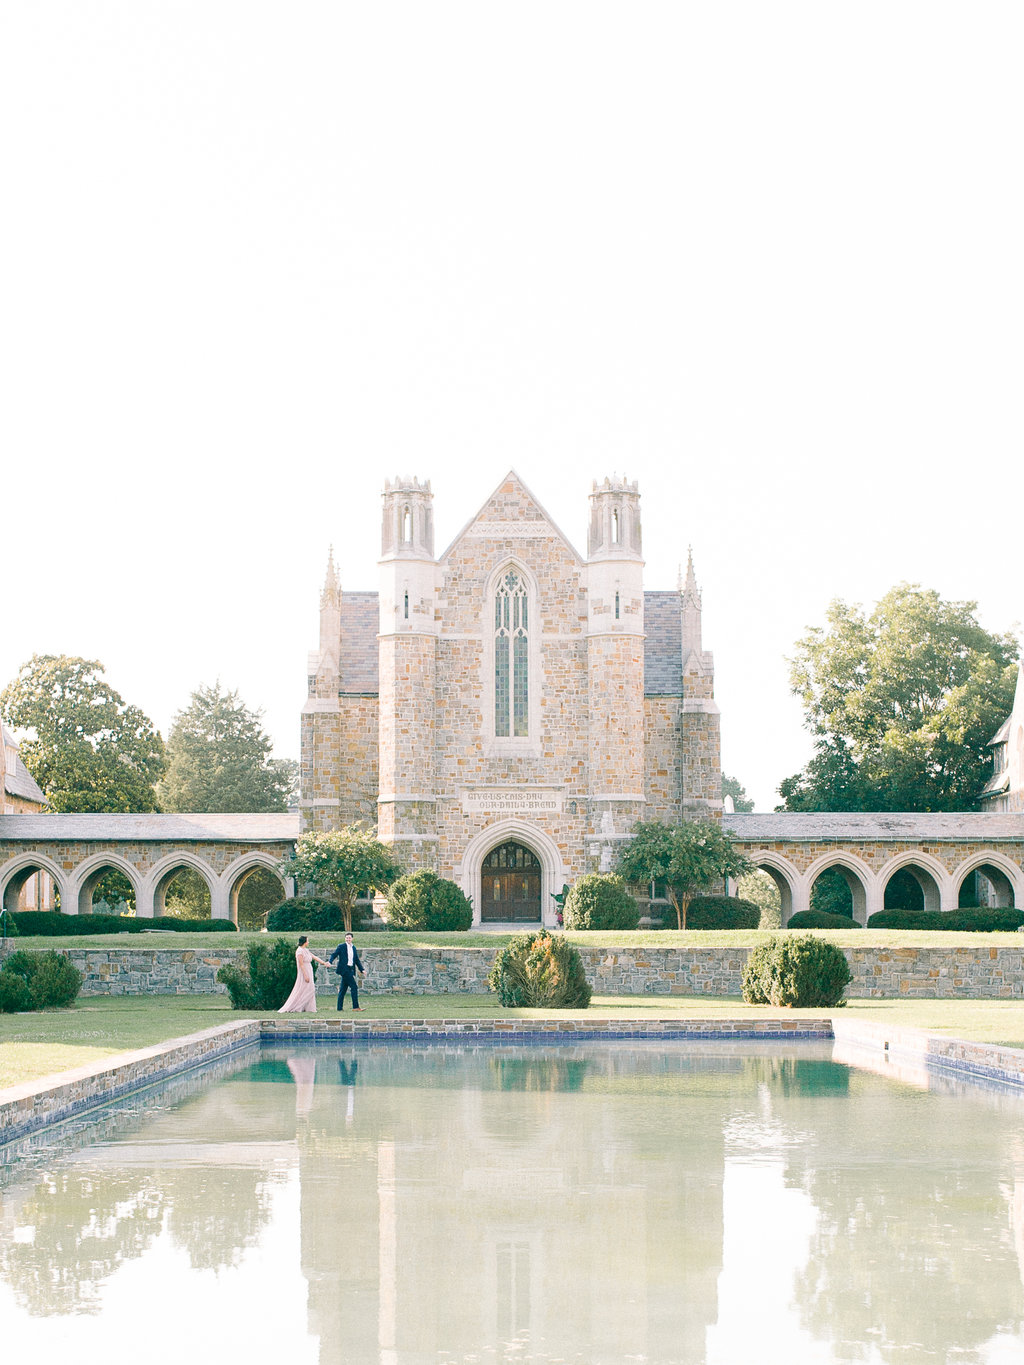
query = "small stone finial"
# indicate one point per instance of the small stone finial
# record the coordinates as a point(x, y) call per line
point(688, 587)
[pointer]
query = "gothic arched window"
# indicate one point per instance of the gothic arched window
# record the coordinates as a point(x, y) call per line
point(511, 658)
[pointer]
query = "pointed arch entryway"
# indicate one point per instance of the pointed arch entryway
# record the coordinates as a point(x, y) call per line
point(516, 849)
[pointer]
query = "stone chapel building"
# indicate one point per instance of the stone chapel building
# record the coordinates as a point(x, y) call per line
point(506, 710)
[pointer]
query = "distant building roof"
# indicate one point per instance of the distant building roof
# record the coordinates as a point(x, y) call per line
point(240, 828)
point(19, 781)
point(881, 825)
point(663, 664)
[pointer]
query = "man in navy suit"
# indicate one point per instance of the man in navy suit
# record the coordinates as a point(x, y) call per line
point(349, 962)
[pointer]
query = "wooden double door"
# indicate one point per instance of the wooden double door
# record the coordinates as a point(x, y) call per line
point(510, 885)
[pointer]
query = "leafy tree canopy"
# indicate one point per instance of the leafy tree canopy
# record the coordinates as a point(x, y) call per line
point(901, 704)
point(690, 858)
point(85, 746)
point(344, 862)
point(219, 758)
point(732, 786)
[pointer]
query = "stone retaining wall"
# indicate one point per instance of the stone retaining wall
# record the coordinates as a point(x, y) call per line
point(979, 971)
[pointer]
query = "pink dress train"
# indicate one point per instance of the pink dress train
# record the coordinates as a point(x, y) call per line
point(303, 997)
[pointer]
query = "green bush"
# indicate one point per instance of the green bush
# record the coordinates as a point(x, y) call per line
point(15, 996)
point(50, 979)
point(820, 919)
point(423, 900)
point(55, 924)
point(307, 914)
point(983, 920)
point(8, 925)
point(537, 971)
point(722, 912)
point(599, 901)
point(265, 982)
point(802, 972)
point(192, 926)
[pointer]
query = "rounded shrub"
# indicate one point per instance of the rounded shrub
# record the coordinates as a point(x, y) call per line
point(820, 919)
point(423, 900)
point(50, 979)
point(266, 979)
point(722, 912)
point(600, 901)
point(309, 914)
point(539, 971)
point(193, 926)
point(802, 972)
point(15, 996)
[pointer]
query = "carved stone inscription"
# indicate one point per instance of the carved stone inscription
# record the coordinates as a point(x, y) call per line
point(511, 801)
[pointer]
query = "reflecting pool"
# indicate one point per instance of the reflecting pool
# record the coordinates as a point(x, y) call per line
point(707, 1204)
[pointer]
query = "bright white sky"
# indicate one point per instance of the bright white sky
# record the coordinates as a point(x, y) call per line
point(255, 257)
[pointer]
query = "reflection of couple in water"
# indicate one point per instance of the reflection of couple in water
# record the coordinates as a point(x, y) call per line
point(303, 1071)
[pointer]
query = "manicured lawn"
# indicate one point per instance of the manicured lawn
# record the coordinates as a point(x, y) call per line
point(34, 1045)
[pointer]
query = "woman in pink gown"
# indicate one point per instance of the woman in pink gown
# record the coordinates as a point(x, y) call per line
point(303, 997)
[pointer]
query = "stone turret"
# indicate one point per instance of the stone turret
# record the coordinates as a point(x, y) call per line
point(615, 657)
point(408, 666)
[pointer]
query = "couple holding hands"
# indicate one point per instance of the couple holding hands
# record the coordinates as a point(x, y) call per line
point(303, 997)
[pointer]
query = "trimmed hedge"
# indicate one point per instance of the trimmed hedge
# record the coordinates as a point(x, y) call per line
point(55, 924)
point(38, 981)
point(600, 901)
point(305, 914)
point(423, 900)
point(722, 912)
point(820, 919)
point(190, 926)
point(802, 972)
point(983, 920)
point(538, 971)
point(266, 980)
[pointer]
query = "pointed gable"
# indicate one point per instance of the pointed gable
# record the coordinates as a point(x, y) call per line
point(511, 513)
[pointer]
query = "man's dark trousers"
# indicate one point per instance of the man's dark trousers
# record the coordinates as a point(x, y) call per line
point(348, 983)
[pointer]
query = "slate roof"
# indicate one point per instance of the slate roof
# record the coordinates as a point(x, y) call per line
point(241, 828)
point(20, 782)
point(360, 622)
point(663, 662)
point(880, 825)
point(663, 665)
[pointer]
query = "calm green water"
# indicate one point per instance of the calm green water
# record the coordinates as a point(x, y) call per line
point(603, 1203)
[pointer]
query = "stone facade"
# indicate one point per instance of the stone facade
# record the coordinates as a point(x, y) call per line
point(509, 692)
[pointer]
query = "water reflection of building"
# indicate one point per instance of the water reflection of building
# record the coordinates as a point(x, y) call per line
point(525, 1224)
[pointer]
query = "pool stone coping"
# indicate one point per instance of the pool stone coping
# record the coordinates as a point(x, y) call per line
point(28, 1108)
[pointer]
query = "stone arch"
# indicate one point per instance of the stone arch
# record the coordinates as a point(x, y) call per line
point(930, 875)
point(783, 874)
point(16, 871)
point(88, 873)
point(553, 873)
point(235, 874)
point(856, 874)
point(1008, 883)
point(162, 874)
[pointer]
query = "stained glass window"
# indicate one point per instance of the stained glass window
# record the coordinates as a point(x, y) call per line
point(511, 658)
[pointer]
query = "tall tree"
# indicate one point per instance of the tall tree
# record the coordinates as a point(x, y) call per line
point(732, 786)
point(690, 858)
point(901, 704)
point(84, 744)
point(219, 758)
